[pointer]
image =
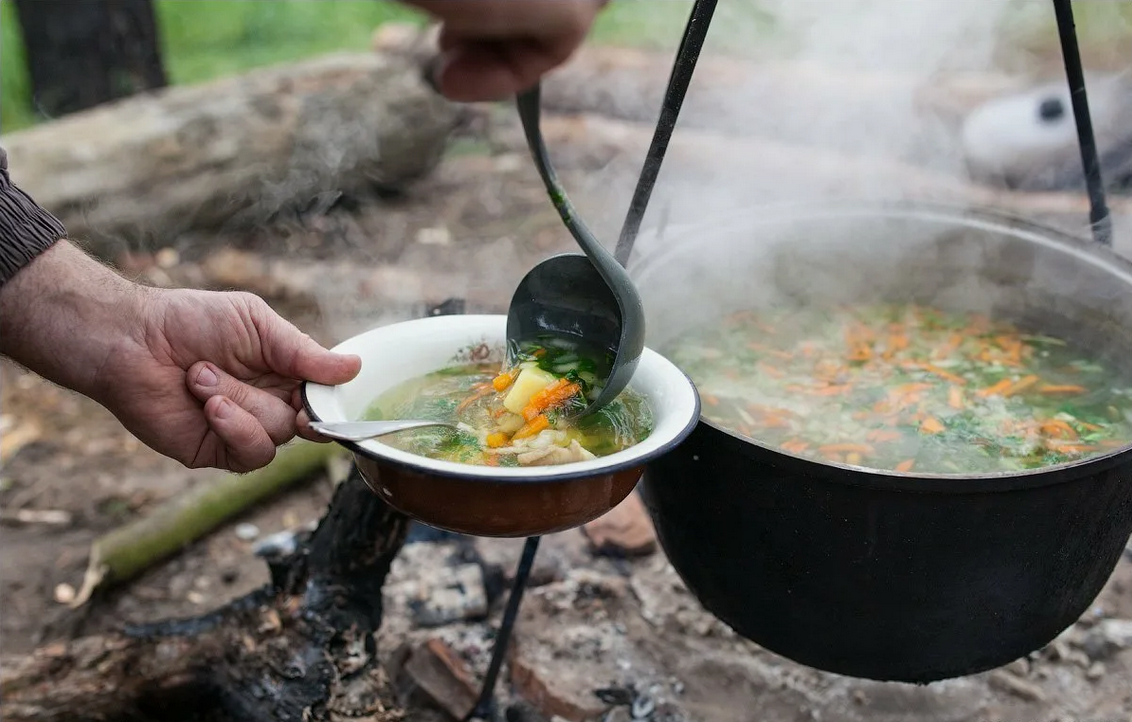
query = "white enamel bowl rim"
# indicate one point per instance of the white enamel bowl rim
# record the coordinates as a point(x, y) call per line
point(386, 361)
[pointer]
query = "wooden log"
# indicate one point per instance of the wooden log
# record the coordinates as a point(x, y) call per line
point(131, 174)
point(128, 550)
point(780, 99)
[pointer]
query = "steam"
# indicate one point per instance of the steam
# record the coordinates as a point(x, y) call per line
point(867, 65)
point(858, 127)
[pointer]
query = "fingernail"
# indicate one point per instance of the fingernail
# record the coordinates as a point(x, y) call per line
point(206, 376)
point(224, 409)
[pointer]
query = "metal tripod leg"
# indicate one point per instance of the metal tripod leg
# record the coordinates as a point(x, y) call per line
point(483, 708)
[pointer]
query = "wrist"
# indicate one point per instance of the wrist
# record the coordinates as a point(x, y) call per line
point(66, 316)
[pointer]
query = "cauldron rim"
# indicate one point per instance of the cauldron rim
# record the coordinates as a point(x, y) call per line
point(925, 483)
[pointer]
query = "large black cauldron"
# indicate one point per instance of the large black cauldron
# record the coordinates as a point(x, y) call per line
point(883, 575)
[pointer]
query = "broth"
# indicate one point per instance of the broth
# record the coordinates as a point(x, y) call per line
point(521, 415)
point(905, 388)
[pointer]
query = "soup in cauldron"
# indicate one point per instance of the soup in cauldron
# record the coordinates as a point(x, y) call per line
point(520, 415)
point(905, 388)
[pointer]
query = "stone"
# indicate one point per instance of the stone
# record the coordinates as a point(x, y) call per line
point(1016, 686)
point(625, 530)
point(246, 532)
point(554, 692)
point(434, 671)
point(1020, 667)
point(1107, 637)
point(450, 594)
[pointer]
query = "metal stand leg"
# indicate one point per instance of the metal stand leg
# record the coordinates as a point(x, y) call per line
point(1099, 216)
point(486, 702)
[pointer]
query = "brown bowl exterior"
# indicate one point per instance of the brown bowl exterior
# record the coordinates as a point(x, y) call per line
point(504, 509)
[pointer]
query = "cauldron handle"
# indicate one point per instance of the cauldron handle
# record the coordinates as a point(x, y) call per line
point(1099, 216)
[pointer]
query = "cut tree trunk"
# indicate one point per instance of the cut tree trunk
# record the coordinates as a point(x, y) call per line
point(130, 175)
point(784, 100)
point(298, 650)
point(82, 53)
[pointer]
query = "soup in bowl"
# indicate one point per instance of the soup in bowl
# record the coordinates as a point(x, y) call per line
point(521, 461)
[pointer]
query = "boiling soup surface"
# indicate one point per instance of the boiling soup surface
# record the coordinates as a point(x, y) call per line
point(905, 388)
point(520, 415)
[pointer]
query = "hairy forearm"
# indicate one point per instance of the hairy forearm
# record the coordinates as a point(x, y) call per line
point(65, 315)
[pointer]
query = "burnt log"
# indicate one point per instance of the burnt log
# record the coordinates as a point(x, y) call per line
point(82, 53)
point(133, 174)
point(299, 649)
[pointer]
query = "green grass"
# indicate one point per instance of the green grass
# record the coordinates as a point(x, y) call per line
point(205, 39)
point(15, 91)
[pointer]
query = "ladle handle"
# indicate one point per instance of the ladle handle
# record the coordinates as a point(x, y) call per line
point(528, 103)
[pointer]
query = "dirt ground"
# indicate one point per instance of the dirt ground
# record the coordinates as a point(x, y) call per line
point(588, 623)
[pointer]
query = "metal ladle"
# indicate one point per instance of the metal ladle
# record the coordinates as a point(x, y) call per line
point(590, 298)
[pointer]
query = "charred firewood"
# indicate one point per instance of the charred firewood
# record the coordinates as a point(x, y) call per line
point(300, 648)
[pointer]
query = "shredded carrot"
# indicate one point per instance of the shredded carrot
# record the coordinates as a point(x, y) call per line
point(896, 342)
point(503, 380)
point(497, 439)
point(1061, 389)
point(846, 448)
point(1021, 385)
point(882, 435)
point(711, 400)
point(932, 425)
point(911, 388)
point(943, 374)
point(955, 397)
point(906, 465)
point(532, 427)
point(1067, 448)
point(762, 348)
point(861, 352)
point(1058, 429)
point(794, 446)
point(484, 391)
point(998, 388)
point(774, 422)
point(550, 396)
point(771, 370)
point(832, 390)
point(491, 459)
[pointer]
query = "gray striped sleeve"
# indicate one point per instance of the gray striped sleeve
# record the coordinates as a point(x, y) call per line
point(26, 230)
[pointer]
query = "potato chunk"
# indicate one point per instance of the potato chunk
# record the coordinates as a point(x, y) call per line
point(529, 382)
